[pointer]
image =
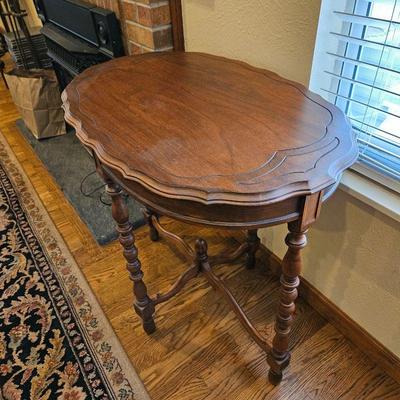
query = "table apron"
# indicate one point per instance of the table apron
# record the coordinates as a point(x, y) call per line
point(218, 215)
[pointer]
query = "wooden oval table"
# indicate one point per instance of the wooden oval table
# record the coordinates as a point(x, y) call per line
point(211, 141)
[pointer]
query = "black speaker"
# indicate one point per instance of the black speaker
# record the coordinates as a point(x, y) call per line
point(85, 21)
point(108, 32)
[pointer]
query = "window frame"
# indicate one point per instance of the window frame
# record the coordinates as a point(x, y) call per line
point(325, 29)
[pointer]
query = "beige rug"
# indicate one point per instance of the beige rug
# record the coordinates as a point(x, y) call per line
point(55, 341)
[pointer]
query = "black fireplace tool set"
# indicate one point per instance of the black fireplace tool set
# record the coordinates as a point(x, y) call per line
point(13, 19)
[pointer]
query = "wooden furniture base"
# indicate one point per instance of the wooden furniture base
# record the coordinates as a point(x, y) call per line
point(199, 261)
point(216, 142)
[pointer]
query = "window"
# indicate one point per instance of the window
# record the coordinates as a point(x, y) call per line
point(357, 67)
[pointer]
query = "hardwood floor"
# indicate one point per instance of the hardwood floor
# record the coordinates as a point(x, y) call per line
point(199, 350)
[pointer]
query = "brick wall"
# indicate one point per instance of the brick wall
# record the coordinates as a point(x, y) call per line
point(146, 24)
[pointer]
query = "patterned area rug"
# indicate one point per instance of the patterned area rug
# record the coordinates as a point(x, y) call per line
point(55, 342)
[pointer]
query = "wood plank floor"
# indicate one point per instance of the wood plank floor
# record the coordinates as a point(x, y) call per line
point(199, 350)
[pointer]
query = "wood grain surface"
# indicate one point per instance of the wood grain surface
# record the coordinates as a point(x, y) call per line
point(200, 350)
point(209, 129)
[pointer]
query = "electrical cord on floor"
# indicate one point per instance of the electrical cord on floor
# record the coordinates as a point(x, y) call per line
point(91, 192)
point(88, 194)
point(106, 203)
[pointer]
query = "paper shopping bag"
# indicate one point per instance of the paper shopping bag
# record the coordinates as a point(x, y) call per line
point(37, 95)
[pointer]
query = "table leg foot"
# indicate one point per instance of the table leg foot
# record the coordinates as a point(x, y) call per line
point(279, 356)
point(277, 363)
point(146, 312)
point(254, 243)
point(143, 305)
point(149, 326)
point(274, 378)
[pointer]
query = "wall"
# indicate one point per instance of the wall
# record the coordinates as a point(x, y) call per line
point(353, 256)
point(278, 34)
point(146, 25)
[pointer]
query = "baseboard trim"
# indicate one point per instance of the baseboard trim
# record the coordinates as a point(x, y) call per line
point(350, 329)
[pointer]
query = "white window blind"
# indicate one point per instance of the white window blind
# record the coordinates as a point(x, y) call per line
point(357, 67)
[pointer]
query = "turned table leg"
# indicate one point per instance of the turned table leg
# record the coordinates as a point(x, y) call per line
point(254, 243)
point(154, 235)
point(143, 305)
point(279, 356)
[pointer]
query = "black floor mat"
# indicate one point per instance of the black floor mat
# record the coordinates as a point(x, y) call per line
point(69, 163)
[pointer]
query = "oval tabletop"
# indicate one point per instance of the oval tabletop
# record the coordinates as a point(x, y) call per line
point(205, 128)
